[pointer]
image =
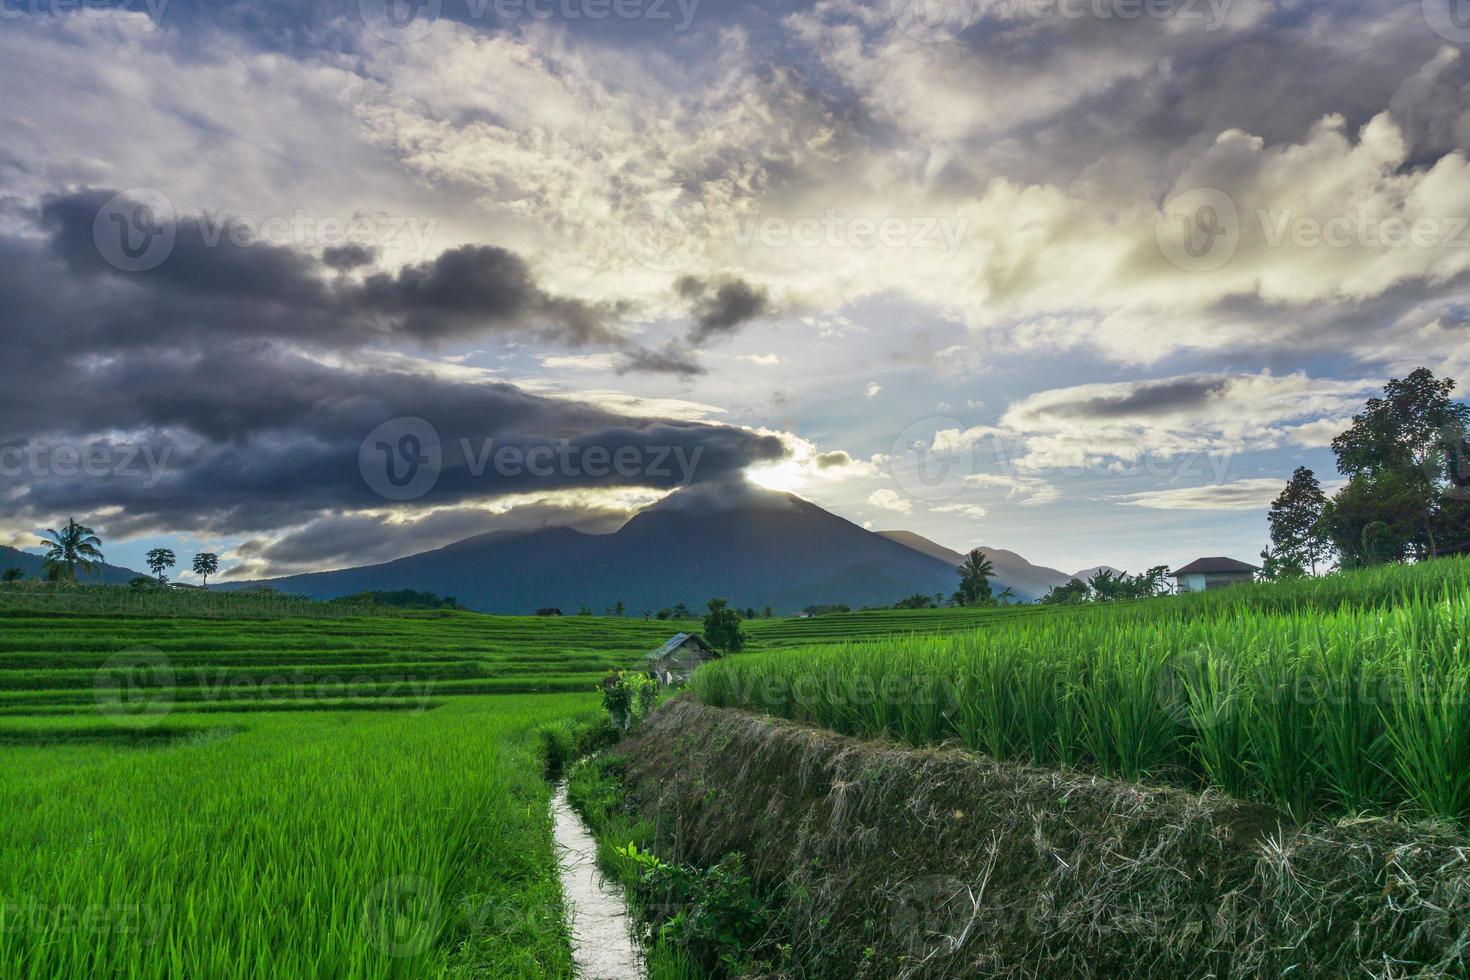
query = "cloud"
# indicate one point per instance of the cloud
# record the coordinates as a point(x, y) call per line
point(671, 358)
point(890, 500)
point(970, 511)
point(872, 390)
point(1255, 494)
point(720, 306)
point(1120, 423)
point(1031, 491)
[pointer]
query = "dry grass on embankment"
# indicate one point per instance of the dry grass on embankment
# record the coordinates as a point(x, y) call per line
point(886, 861)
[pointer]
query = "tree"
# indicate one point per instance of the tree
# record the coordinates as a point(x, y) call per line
point(1295, 519)
point(975, 575)
point(1108, 586)
point(681, 611)
point(1073, 592)
point(1007, 596)
point(1411, 445)
point(767, 613)
point(206, 563)
point(13, 575)
point(74, 546)
point(722, 627)
point(618, 608)
point(1374, 519)
point(664, 613)
point(1275, 566)
point(158, 560)
point(916, 601)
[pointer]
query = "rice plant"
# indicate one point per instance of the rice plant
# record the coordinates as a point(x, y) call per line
point(1345, 694)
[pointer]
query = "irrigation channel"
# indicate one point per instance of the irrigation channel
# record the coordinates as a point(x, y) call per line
point(602, 933)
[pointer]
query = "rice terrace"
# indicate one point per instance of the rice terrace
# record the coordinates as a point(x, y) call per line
point(681, 490)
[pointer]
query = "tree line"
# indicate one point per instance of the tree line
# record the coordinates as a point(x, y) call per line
point(1407, 496)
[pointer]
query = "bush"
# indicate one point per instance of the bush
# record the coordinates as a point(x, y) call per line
point(628, 696)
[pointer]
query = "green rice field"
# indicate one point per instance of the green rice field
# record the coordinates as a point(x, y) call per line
point(304, 844)
point(1346, 694)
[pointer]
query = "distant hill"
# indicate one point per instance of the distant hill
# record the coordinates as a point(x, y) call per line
point(34, 566)
point(1088, 573)
point(753, 547)
point(1027, 580)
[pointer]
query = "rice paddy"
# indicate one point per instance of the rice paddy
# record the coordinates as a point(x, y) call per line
point(1349, 694)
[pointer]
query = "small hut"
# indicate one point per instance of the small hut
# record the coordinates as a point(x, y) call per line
point(673, 662)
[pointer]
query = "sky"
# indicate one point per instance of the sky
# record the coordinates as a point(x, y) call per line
point(313, 285)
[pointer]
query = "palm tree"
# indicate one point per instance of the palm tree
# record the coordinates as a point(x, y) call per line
point(74, 546)
point(158, 559)
point(975, 575)
point(206, 563)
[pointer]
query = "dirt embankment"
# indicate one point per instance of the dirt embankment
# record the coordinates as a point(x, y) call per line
point(884, 861)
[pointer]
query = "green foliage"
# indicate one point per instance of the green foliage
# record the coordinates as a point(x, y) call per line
point(1406, 458)
point(400, 599)
point(159, 561)
point(713, 914)
point(916, 601)
point(628, 696)
point(206, 563)
point(1074, 592)
point(12, 575)
point(1339, 693)
point(74, 548)
point(1295, 519)
point(975, 575)
point(722, 627)
point(361, 844)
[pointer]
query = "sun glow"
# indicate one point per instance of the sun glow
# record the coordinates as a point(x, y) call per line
point(787, 476)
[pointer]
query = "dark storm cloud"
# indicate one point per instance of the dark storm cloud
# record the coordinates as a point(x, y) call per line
point(721, 306)
point(1143, 400)
point(668, 359)
point(246, 373)
point(210, 281)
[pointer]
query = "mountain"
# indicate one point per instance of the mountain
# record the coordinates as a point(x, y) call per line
point(753, 547)
point(1087, 573)
point(1028, 581)
point(33, 566)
